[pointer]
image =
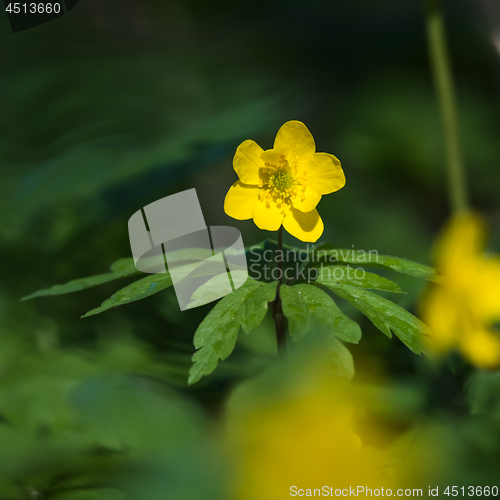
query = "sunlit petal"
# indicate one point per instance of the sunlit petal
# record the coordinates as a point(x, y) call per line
point(322, 172)
point(240, 200)
point(306, 199)
point(268, 215)
point(295, 138)
point(247, 162)
point(306, 226)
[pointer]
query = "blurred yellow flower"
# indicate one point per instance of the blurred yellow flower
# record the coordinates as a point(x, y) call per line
point(461, 311)
point(283, 185)
point(304, 440)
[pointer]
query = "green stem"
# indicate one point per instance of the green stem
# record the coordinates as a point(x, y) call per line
point(279, 317)
point(280, 248)
point(443, 82)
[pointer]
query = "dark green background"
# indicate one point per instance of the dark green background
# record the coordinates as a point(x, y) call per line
point(119, 103)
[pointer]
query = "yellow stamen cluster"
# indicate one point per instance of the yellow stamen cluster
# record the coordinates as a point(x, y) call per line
point(283, 184)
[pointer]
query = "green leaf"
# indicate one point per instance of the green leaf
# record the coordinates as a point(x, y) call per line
point(385, 315)
point(346, 275)
point(295, 310)
point(206, 359)
point(483, 390)
point(137, 290)
point(224, 313)
point(307, 307)
point(119, 269)
point(254, 308)
point(125, 265)
point(373, 259)
point(211, 289)
point(305, 304)
point(341, 358)
point(216, 336)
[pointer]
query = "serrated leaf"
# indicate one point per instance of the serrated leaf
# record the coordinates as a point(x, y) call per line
point(341, 358)
point(373, 259)
point(295, 310)
point(385, 315)
point(137, 290)
point(254, 308)
point(119, 269)
point(217, 334)
point(205, 361)
point(346, 275)
point(211, 289)
point(224, 313)
point(303, 304)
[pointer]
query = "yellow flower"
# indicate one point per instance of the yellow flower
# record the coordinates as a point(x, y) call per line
point(461, 311)
point(283, 185)
point(291, 438)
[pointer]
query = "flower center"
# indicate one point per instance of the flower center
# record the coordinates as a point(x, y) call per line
point(281, 186)
point(281, 182)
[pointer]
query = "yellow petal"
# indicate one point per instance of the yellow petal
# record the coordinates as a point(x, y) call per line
point(323, 173)
point(272, 156)
point(268, 216)
point(306, 226)
point(481, 347)
point(240, 200)
point(247, 162)
point(463, 240)
point(295, 138)
point(484, 288)
point(441, 314)
point(307, 198)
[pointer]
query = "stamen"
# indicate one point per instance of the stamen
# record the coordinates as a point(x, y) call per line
point(283, 182)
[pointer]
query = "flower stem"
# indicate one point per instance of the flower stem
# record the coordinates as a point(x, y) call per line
point(279, 317)
point(280, 248)
point(443, 81)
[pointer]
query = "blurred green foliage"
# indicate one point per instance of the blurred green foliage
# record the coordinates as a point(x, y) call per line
point(119, 103)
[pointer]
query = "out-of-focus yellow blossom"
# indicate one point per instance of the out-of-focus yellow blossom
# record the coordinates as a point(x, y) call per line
point(283, 185)
point(304, 437)
point(462, 309)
